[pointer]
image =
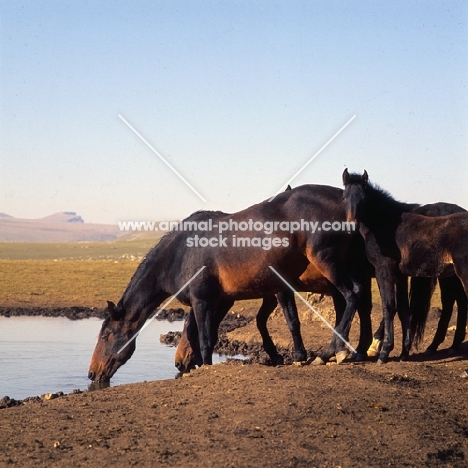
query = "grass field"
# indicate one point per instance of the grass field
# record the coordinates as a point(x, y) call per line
point(114, 250)
point(67, 283)
point(67, 274)
point(78, 274)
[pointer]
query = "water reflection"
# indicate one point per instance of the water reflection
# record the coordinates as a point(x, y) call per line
point(44, 355)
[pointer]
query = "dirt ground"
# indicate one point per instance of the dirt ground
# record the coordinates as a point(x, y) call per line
point(254, 415)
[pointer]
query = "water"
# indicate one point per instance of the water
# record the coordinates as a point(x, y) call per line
point(45, 355)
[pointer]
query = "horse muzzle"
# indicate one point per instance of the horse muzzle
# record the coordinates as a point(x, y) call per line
point(183, 368)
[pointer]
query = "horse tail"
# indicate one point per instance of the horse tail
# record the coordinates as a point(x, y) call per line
point(421, 291)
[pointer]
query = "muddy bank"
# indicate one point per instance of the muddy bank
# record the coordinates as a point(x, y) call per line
point(240, 414)
point(401, 414)
point(79, 313)
point(227, 346)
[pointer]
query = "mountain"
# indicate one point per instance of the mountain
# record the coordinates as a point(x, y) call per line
point(64, 217)
point(66, 226)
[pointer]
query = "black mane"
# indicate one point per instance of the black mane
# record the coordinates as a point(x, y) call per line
point(378, 197)
point(203, 214)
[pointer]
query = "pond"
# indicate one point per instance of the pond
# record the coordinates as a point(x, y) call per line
point(45, 355)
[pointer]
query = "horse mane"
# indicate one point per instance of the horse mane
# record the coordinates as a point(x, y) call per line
point(380, 197)
point(168, 237)
point(203, 213)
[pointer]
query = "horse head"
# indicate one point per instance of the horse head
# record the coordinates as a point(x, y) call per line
point(188, 353)
point(115, 345)
point(354, 194)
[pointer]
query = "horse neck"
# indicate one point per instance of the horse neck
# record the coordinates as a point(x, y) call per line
point(382, 211)
point(144, 293)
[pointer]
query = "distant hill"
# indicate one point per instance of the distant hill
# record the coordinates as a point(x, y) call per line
point(64, 217)
point(66, 226)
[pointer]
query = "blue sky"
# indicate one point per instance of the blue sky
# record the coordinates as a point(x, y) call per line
point(236, 95)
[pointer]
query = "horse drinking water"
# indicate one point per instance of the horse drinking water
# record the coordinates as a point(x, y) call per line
point(186, 357)
point(210, 279)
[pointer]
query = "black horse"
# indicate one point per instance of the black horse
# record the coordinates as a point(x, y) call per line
point(211, 278)
point(400, 243)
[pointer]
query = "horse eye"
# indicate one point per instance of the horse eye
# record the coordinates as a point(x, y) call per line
point(104, 337)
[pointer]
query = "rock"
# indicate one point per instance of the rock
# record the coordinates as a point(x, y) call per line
point(32, 399)
point(7, 402)
point(170, 338)
point(171, 314)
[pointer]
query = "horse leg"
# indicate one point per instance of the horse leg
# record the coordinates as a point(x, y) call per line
point(192, 336)
point(451, 291)
point(376, 345)
point(387, 294)
point(365, 325)
point(403, 308)
point(462, 309)
point(268, 306)
point(287, 302)
point(351, 292)
point(208, 319)
point(340, 305)
point(364, 311)
point(447, 298)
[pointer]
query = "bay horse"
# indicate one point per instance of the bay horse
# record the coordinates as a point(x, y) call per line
point(210, 279)
point(400, 243)
point(186, 357)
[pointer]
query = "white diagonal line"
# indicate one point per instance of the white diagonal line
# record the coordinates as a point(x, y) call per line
point(313, 157)
point(161, 309)
point(159, 156)
point(314, 311)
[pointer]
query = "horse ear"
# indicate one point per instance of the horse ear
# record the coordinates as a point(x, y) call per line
point(288, 188)
point(345, 176)
point(365, 177)
point(112, 309)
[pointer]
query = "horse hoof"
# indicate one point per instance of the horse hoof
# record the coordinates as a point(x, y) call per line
point(403, 358)
point(374, 348)
point(277, 360)
point(380, 362)
point(359, 357)
point(318, 361)
point(341, 356)
point(300, 357)
point(429, 352)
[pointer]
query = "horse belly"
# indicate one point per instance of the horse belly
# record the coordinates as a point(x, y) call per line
point(428, 266)
point(246, 282)
point(254, 279)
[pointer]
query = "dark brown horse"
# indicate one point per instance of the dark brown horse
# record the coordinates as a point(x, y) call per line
point(451, 291)
point(421, 291)
point(210, 277)
point(311, 280)
point(400, 243)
